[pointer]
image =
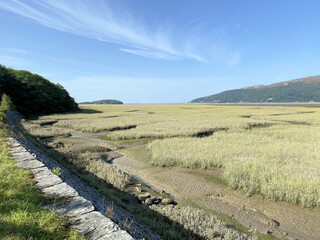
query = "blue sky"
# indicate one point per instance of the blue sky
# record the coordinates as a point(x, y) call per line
point(168, 51)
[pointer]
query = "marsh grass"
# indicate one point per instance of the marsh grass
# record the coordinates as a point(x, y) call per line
point(87, 146)
point(281, 162)
point(206, 213)
point(34, 128)
point(269, 150)
point(97, 173)
point(96, 166)
point(206, 225)
point(81, 155)
point(166, 121)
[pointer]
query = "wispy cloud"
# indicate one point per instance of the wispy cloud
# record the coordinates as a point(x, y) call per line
point(102, 21)
point(15, 57)
point(150, 54)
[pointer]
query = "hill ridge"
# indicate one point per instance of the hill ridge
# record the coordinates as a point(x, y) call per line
point(306, 80)
point(303, 89)
point(104, 101)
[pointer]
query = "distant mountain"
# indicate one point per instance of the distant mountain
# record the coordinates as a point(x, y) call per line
point(105, 101)
point(298, 90)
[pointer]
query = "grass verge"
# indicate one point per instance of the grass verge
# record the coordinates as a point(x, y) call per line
point(22, 211)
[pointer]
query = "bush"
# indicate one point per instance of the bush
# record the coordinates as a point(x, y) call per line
point(6, 104)
point(2, 117)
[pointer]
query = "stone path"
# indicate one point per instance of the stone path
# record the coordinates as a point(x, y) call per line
point(87, 221)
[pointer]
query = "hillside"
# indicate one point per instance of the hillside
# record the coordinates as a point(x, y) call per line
point(105, 101)
point(298, 90)
point(34, 95)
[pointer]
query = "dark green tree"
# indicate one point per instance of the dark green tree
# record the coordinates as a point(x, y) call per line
point(34, 95)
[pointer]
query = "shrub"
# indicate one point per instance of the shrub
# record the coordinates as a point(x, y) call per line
point(6, 104)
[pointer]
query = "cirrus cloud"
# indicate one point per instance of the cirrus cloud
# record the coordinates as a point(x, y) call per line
point(104, 22)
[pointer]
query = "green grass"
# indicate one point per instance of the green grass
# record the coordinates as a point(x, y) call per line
point(138, 153)
point(22, 211)
point(217, 180)
point(127, 142)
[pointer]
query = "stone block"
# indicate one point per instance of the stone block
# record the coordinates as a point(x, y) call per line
point(46, 179)
point(60, 190)
point(30, 164)
point(74, 207)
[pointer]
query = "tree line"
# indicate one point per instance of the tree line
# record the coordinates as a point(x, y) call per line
point(32, 94)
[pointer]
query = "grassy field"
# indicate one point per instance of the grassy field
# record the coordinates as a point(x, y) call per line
point(268, 150)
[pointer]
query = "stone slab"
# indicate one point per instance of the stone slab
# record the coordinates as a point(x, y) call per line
point(30, 164)
point(38, 170)
point(119, 235)
point(46, 179)
point(22, 153)
point(87, 223)
point(60, 190)
point(23, 156)
point(74, 207)
point(17, 149)
point(44, 173)
point(97, 226)
point(15, 144)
